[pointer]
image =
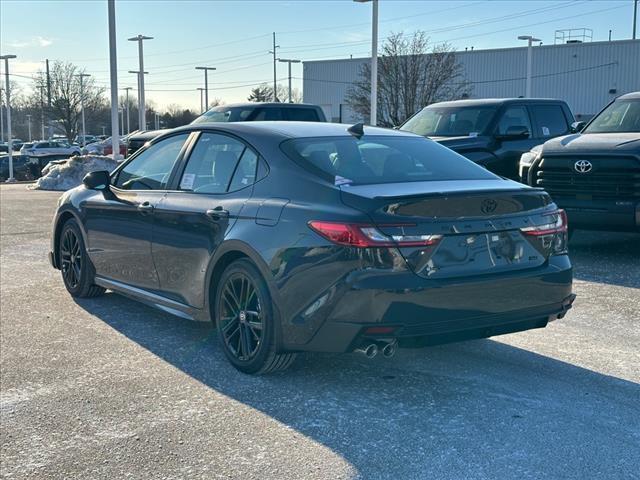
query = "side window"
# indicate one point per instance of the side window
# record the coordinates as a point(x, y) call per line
point(550, 121)
point(212, 164)
point(514, 118)
point(42, 145)
point(245, 173)
point(268, 114)
point(152, 168)
point(302, 114)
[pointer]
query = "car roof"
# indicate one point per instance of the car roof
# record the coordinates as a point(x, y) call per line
point(267, 104)
point(478, 102)
point(292, 129)
point(629, 96)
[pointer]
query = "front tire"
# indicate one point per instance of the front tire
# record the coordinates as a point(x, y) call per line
point(246, 321)
point(77, 270)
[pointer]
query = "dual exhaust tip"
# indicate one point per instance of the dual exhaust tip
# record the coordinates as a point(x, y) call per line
point(370, 350)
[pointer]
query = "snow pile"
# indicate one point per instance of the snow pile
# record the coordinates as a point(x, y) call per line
point(67, 174)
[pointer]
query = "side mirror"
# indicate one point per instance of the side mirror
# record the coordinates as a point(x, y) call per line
point(577, 127)
point(98, 180)
point(514, 132)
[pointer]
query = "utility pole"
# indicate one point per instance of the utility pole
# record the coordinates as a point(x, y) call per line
point(126, 89)
point(530, 41)
point(7, 93)
point(142, 118)
point(206, 85)
point(41, 112)
point(635, 17)
point(29, 125)
point(373, 116)
point(289, 61)
point(113, 73)
point(50, 129)
point(84, 132)
point(201, 104)
point(275, 80)
point(1, 119)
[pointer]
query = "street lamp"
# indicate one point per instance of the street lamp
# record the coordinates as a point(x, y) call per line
point(201, 104)
point(7, 95)
point(206, 85)
point(127, 102)
point(29, 125)
point(141, 105)
point(530, 41)
point(139, 75)
point(113, 77)
point(84, 133)
point(285, 60)
point(374, 62)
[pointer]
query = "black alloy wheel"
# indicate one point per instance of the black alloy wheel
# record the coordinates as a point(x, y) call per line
point(246, 321)
point(77, 270)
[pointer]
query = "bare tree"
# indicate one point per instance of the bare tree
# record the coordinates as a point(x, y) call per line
point(411, 75)
point(66, 96)
point(264, 93)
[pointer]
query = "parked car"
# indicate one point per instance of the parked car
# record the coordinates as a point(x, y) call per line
point(51, 148)
point(138, 139)
point(21, 170)
point(105, 147)
point(594, 173)
point(263, 111)
point(294, 236)
point(493, 132)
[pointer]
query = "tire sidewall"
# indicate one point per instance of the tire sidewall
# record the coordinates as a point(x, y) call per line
point(86, 277)
point(268, 343)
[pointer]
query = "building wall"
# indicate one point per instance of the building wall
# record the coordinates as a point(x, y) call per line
point(582, 74)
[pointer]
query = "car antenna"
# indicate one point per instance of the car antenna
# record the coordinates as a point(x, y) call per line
point(356, 130)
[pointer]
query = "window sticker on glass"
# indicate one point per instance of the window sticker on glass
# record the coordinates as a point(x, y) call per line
point(187, 181)
point(342, 181)
point(545, 131)
point(473, 134)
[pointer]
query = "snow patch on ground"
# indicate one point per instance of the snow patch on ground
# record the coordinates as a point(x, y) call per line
point(67, 174)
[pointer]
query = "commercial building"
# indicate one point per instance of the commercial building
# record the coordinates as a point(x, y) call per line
point(586, 75)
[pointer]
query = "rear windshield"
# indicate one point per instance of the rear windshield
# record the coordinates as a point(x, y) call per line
point(450, 121)
point(619, 117)
point(381, 159)
point(225, 114)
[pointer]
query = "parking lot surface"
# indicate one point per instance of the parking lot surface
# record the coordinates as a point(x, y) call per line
point(109, 388)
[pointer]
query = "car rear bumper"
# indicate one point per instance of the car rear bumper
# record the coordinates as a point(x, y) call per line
point(426, 312)
point(623, 215)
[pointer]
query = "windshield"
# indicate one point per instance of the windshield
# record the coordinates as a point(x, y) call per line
point(619, 117)
point(381, 159)
point(225, 114)
point(450, 121)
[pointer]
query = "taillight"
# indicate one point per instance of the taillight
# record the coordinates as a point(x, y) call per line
point(552, 236)
point(363, 236)
point(558, 223)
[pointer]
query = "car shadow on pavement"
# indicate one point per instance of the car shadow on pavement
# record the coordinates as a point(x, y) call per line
point(466, 410)
point(606, 257)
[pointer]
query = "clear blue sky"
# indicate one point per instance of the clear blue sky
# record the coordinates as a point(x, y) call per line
point(235, 36)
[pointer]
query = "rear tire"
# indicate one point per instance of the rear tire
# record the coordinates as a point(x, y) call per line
point(247, 326)
point(77, 271)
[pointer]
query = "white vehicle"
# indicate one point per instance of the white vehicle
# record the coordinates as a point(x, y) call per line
point(51, 148)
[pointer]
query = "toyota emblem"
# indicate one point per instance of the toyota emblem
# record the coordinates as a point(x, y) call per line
point(583, 166)
point(488, 205)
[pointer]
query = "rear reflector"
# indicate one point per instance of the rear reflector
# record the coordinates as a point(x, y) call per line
point(558, 223)
point(363, 236)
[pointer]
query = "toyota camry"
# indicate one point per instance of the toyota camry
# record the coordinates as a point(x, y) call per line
point(294, 237)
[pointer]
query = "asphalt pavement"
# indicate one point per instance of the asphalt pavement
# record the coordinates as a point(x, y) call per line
point(109, 388)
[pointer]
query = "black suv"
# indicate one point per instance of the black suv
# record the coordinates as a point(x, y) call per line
point(257, 111)
point(594, 174)
point(493, 132)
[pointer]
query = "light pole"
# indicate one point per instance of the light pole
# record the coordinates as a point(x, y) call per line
point(7, 94)
point(374, 62)
point(275, 80)
point(42, 112)
point(126, 89)
point(201, 104)
point(206, 85)
point(289, 61)
point(84, 133)
point(29, 125)
point(635, 17)
point(113, 71)
point(139, 76)
point(1, 119)
point(530, 41)
point(142, 119)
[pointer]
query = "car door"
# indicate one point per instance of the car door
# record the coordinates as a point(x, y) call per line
point(119, 221)
point(510, 150)
point(191, 221)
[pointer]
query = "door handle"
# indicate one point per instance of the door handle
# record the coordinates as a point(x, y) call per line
point(145, 208)
point(217, 214)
